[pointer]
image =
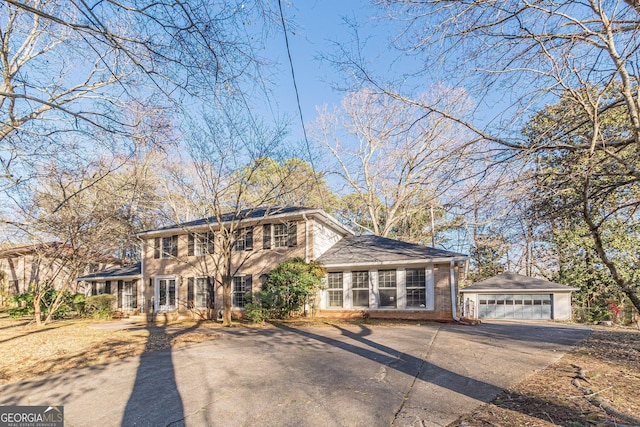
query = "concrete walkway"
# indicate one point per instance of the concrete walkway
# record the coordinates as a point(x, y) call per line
point(321, 376)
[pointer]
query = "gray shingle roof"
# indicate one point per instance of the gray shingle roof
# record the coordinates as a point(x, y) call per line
point(516, 282)
point(247, 215)
point(376, 250)
point(132, 271)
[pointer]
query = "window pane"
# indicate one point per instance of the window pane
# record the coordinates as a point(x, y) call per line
point(167, 246)
point(239, 297)
point(280, 236)
point(201, 292)
point(360, 279)
point(334, 281)
point(416, 298)
point(415, 278)
point(335, 298)
point(360, 298)
point(172, 294)
point(388, 298)
point(387, 278)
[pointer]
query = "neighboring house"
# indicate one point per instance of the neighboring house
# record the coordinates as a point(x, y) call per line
point(367, 275)
point(123, 282)
point(514, 296)
point(22, 266)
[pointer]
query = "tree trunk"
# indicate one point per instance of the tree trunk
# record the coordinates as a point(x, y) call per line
point(37, 315)
point(55, 304)
point(226, 301)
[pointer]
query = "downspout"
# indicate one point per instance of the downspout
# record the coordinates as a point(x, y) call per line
point(306, 237)
point(142, 286)
point(452, 280)
point(306, 256)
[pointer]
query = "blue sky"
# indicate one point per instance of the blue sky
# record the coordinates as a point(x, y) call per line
point(317, 25)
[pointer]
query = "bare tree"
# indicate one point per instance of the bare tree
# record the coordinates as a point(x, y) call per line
point(396, 160)
point(226, 160)
point(516, 57)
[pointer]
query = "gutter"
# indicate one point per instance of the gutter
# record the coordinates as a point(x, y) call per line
point(396, 262)
point(452, 280)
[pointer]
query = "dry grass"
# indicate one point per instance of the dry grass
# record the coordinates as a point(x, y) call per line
point(27, 351)
point(596, 384)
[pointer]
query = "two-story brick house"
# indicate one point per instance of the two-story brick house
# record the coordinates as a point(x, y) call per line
point(179, 272)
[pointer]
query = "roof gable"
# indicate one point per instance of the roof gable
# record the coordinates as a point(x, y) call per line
point(373, 250)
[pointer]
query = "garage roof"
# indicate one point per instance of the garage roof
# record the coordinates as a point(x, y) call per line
point(516, 282)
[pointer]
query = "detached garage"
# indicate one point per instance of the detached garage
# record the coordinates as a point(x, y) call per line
point(514, 296)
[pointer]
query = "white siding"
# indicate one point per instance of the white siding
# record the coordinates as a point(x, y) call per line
point(562, 306)
point(323, 238)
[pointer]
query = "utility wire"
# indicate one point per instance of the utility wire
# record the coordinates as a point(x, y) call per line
point(295, 87)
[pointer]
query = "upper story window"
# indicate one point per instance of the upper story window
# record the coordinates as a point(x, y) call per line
point(282, 235)
point(165, 247)
point(200, 244)
point(243, 239)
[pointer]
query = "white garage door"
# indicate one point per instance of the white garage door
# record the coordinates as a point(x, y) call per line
point(514, 306)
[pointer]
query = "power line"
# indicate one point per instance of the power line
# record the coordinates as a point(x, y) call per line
point(295, 87)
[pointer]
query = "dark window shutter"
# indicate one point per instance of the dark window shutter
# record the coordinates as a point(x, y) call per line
point(150, 282)
point(134, 291)
point(190, 245)
point(248, 239)
point(174, 245)
point(292, 234)
point(248, 283)
point(107, 287)
point(210, 292)
point(210, 242)
point(120, 291)
point(156, 247)
point(266, 236)
point(94, 288)
point(190, 293)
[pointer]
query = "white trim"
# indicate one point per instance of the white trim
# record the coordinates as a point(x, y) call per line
point(516, 291)
point(100, 278)
point(156, 291)
point(429, 278)
point(454, 296)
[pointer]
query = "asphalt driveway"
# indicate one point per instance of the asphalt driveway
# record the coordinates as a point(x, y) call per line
point(322, 376)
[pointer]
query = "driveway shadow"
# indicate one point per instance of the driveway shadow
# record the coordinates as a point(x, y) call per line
point(155, 391)
point(416, 367)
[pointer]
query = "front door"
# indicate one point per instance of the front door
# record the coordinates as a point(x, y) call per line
point(166, 299)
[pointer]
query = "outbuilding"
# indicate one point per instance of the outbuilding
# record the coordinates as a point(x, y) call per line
point(514, 296)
